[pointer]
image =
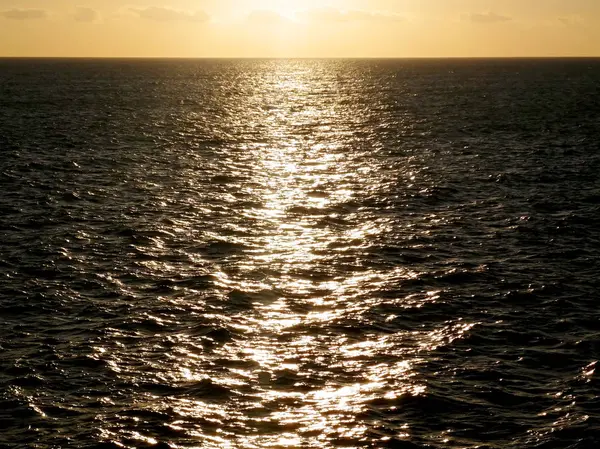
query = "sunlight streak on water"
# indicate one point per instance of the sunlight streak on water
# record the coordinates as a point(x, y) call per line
point(300, 182)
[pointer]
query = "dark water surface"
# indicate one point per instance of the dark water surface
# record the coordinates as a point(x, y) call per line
point(299, 254)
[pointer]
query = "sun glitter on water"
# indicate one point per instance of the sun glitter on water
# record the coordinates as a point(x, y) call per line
point(305, 179)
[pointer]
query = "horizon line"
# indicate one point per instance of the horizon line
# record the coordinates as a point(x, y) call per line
point(303, 57)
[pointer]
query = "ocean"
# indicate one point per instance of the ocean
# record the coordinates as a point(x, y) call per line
point(299, 253)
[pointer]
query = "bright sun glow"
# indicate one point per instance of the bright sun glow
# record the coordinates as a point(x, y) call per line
point(290, 9)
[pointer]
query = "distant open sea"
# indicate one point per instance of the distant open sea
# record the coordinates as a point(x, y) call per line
point(253, 254)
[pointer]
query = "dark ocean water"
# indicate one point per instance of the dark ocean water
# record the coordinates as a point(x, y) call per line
point(299, 254)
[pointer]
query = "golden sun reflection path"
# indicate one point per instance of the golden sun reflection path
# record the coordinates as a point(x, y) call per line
point(315, 376)
point(309, 346)
point(289, 348)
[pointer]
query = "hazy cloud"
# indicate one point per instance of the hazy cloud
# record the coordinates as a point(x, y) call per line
point(24, 14)
point(164, 14)
point(355, 15)
point(487, 17)
point(570, 21)
point(83, 14)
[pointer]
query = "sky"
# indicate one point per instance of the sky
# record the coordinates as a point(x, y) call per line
point(299, 28)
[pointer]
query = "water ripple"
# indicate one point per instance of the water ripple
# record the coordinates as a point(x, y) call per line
point(253, 254)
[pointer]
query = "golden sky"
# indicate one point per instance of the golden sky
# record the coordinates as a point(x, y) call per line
point(299, 28)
